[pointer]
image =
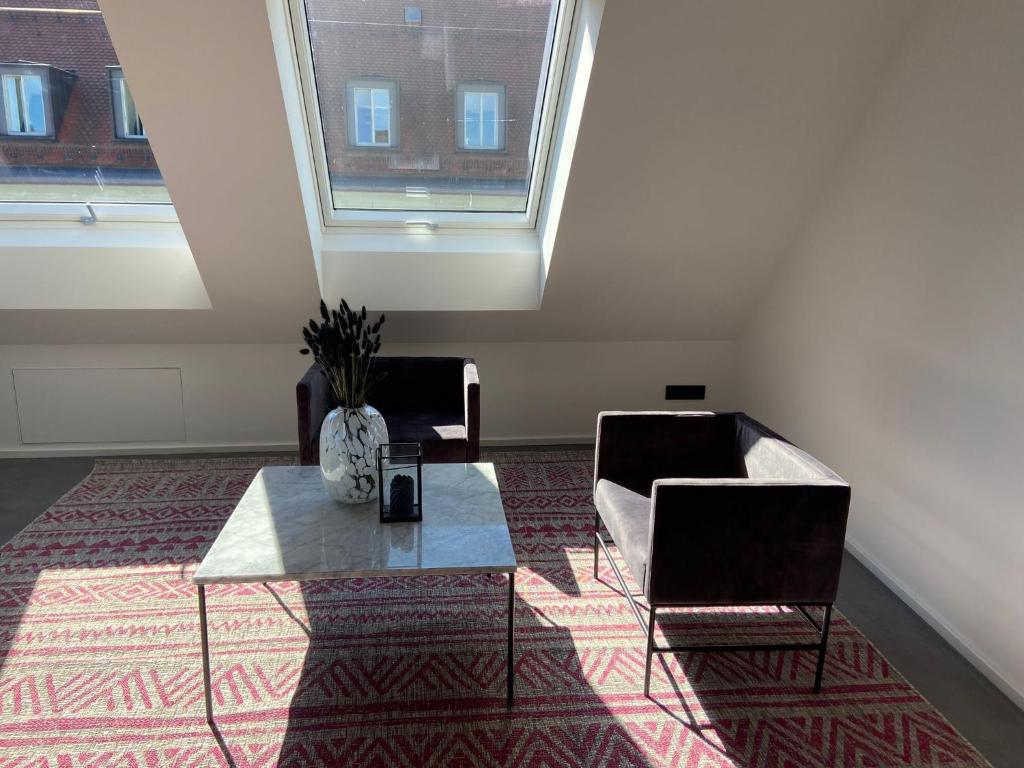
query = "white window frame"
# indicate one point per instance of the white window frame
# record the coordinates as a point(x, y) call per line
point(549, 97)
point(119, 98)
point(89, 213)
point(16, 75)
point(481, 89)
point(373, 86)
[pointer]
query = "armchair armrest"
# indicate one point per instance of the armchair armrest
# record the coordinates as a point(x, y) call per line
point(635, 448)
point(313, 401)
point(746, 541)
point(471, 385)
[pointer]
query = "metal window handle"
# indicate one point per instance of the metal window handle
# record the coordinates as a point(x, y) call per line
point(422, 223)
point(91, 218)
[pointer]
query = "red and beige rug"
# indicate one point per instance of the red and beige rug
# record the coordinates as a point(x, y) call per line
point(100, 661)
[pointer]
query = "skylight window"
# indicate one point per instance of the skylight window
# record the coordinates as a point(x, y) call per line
point(448, 113)
point(67, 111)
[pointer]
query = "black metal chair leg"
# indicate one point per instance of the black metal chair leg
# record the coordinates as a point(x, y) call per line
point(826, 622)
point(650, 653)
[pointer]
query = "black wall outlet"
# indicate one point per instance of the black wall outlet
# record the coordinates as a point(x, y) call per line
point(685, 392)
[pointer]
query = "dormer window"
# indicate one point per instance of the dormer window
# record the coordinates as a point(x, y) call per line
point(23, 105)
point(127, 123)
point(34, 98)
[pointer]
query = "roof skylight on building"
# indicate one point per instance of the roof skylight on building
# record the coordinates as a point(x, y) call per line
point(69, 129)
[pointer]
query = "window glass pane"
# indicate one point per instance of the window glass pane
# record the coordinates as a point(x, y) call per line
point(23, 99)
point(132, 122)
point(32, 92)
point(430, 118)
point(381, 117)
point(12, 104)
point(490, 120)
point(77, 157)
point(472, 119)
point(364, 116)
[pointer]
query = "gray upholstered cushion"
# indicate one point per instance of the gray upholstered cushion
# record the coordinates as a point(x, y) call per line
point(627, 516)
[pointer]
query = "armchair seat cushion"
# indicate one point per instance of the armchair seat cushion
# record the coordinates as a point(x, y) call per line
point(423, 426)
point(627, 516)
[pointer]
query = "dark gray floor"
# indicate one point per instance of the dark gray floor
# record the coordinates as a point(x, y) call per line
point(975, 707)
point(29, 486)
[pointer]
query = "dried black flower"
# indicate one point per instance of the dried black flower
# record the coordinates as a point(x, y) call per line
point(344, 345)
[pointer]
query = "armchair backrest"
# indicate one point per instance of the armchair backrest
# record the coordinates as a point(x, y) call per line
point(636, 448)
point(419, 382)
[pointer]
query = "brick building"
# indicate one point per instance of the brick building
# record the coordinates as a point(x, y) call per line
point(445, 69)
point(63, 111)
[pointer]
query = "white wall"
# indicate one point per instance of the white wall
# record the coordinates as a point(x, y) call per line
point(891, 345)
point(242, 396)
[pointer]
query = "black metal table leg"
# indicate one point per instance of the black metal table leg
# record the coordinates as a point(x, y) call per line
point(511, 618)
point(206, 654)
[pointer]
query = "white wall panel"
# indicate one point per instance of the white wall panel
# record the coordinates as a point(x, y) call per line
point(99, 405)
point(242, 396)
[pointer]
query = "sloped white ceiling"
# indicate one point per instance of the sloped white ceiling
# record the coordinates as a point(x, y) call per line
point(708, 131)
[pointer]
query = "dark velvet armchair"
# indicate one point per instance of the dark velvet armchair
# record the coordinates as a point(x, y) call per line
point(715, 509)
point(434, 401)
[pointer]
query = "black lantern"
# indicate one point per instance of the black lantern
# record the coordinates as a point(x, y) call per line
point(400, 480)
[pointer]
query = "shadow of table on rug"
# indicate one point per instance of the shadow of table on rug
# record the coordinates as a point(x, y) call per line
point(411, 671)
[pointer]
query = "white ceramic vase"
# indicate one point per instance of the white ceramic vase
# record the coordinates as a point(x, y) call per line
point(349, 438)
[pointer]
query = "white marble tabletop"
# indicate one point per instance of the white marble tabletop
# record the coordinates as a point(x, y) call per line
point(286, 528)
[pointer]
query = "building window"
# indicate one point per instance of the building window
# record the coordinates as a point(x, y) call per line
point(127, 123)
point(33, 98)
point(24, 105)
point(373, 108)
point(481, 118)
point(480, 92)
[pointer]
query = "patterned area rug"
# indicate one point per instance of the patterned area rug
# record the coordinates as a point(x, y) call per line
point(100, 655)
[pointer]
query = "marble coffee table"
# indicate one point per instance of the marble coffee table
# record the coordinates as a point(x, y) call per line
point(286, 528)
